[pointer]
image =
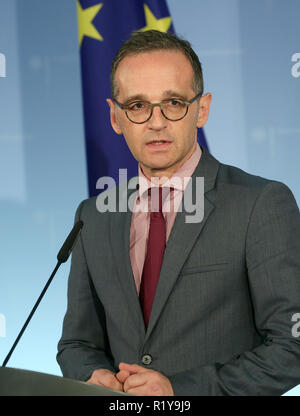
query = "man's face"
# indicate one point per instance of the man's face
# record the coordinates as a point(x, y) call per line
point(154, 77)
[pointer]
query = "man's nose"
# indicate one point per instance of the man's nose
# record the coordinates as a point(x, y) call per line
point(157, 121)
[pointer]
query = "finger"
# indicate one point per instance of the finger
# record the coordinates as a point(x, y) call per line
point(122, 376)
point(135, 380)
point(137, 391)
point(114, 384)
point(110, 381)
point(94, 381)
point(140, 391)
point(132, 368)
point(147, 389)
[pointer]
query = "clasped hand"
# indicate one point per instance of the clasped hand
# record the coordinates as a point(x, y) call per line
point(134, 379)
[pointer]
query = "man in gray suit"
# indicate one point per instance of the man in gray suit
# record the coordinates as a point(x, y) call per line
point(225, 306)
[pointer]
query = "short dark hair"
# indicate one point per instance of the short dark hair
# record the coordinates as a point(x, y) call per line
point(151, 40)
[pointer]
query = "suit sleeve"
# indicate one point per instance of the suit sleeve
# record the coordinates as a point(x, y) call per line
point(273, 263)
point(83, 346)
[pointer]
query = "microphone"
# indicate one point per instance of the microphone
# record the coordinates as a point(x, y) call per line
point(62, 257)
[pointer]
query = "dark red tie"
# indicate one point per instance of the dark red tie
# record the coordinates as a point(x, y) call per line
point(155, 253)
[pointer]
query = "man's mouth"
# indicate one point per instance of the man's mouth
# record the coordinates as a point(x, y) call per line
point(158, 142)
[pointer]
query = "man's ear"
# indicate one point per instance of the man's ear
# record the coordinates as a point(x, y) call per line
point(205, 101)
point(113, 119)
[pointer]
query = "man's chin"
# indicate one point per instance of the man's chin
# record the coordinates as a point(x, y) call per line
point(156, 169)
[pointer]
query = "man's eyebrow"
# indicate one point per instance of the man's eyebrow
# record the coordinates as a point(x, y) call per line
point(166, 94)
point(136, 97)
point(172, 93)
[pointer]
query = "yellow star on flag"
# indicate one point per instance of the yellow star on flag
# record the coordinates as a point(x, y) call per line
point(85, 25)
point(155, 24)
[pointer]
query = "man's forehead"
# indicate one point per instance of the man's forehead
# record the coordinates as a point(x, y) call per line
point(160, 56)
point(169, 69)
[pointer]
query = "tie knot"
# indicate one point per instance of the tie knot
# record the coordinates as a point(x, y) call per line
point(157, 196)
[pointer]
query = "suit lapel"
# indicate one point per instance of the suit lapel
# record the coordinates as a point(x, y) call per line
point(182, 238)
point(120, 240)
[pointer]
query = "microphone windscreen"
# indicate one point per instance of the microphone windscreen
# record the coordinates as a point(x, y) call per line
point(68, 245)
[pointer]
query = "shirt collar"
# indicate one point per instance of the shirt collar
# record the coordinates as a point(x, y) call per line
point(177, 180)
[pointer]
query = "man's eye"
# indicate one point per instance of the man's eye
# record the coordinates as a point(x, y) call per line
point(137, 106)
point(176, 103)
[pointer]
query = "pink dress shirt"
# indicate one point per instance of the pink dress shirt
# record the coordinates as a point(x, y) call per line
point(139, 228)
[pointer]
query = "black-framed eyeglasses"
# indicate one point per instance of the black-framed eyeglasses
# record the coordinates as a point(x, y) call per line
point(173, 109)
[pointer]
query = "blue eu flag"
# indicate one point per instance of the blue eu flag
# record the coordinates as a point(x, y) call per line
point(103, 27)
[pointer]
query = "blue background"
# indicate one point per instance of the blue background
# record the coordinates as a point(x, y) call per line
point(246, 51)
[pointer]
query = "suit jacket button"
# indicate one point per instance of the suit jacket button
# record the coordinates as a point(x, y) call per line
point(268, 341)
point(146, 359)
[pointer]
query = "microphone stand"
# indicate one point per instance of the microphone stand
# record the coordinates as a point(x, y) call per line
point(31, 314)
point(62, 257)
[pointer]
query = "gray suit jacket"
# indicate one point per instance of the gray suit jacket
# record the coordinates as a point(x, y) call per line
point(221, 322)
